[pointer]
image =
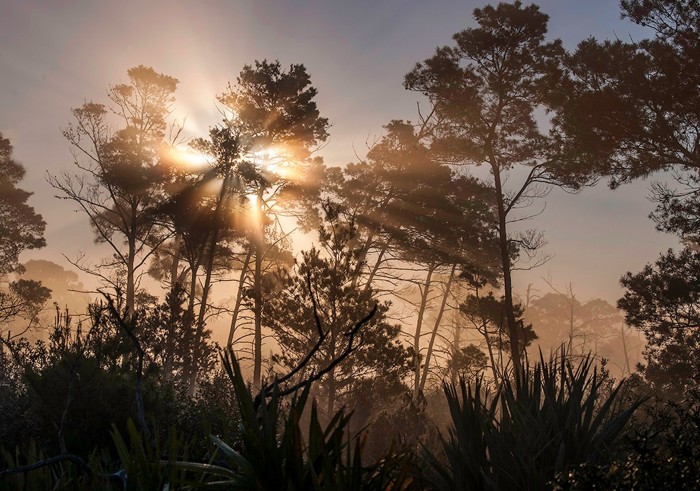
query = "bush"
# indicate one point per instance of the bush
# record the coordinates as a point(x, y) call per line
point(543, 422)
point(274, 455)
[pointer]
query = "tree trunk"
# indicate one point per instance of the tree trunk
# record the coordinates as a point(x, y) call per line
point(377, 264)
point(362, 256)
point(257, 291)
point(199, 330)
point(433, 335)
point(239, 298)
point(169, 355)
point(506, 267)
point(131, 280)
point(456, 341)
point(419, 326)
point(331, 382)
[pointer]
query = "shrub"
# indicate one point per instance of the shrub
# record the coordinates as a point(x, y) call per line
point(537, 424)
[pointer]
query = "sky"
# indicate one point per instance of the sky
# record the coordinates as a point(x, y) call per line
point(56, 54)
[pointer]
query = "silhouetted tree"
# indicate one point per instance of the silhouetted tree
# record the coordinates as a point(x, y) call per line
point(413, 209)
point(485, 93)
point(468, 362)
point(663, 301)
point(204, 212)
point(118, 184)
point(22, 299)
point(561, 318)
point(327, 274)
point(271, 126)
point(65, 285)
point(631, 109)
point(21, 228)
point(487, 315)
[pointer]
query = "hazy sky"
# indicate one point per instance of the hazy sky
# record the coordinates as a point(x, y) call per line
point(56, 54)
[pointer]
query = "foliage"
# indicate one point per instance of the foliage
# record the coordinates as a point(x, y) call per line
point(22, 299)
point(328, 275)
point(561, 318)
point(408, 205)
point(468, 362)
point(536, 424)
point(167, 333)
point(665, 454)
point(63, 473)
point(487, 315)
point(616, 109)
point(154, 465)
point(485, 92)
point(631, 109)
point(262, 151)
point(119, 180)
point(663, 301)
point(293, 122)
point(21, 228)
point(274, 455)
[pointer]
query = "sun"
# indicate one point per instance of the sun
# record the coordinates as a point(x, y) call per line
point(277, 161)
point(188, 158)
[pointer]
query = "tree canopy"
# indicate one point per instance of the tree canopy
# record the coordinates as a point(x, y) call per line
point(21, 228)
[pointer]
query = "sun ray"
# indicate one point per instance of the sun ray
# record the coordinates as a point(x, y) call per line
point(188, 158)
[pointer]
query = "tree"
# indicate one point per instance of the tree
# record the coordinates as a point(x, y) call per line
point(321, 284)
point(65, 285)
point(487, 315)
point(467, 363)
point(663, 301)
point(560, 318)
point(631, 109)
point(424, 214)
point(119, 177)
point(485, 93)
point(21, 228)
point(205, 224)
point(23, 299)
point(594, 326)
point(270, 128)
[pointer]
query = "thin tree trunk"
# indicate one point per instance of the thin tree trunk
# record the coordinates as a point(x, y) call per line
point(257, 290)
point(361, 259)
point(131, 280)
point(199, 330)
point(456, 341)
point(496, 376)
point(239, 298)
point(419, 326)
point(571, 326)
point(175, 285)
point(193, 291)
point(330, 381)
point(377, 264)
point(433, 335)
point(627, 370)
point(506, 267)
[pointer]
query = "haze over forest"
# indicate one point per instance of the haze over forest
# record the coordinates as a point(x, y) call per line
point(404, 245)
